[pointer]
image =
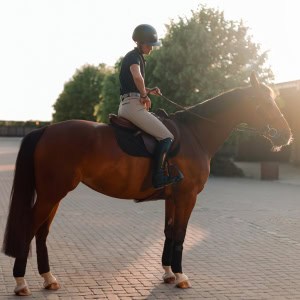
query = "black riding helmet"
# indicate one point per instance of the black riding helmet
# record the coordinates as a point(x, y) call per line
point(145, 34)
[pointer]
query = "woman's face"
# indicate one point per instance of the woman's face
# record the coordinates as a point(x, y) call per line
point(146, 49)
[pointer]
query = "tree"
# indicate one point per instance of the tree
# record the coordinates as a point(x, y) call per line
point(81, 94)
point(203, 56)
point(110, 95)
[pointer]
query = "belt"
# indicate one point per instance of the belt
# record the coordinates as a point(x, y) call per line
point(122, 97)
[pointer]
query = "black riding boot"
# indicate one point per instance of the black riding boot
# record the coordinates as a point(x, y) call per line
point(159, 179)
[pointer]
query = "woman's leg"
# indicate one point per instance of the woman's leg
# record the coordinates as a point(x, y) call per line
point(132, 110)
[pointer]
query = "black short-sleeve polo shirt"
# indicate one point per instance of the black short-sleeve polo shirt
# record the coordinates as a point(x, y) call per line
point(127, 84)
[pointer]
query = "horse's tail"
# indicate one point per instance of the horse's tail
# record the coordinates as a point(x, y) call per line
point(17, 233)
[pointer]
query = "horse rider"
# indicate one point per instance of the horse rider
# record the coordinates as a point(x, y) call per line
point(135, 102)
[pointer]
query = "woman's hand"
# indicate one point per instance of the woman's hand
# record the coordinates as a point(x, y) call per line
point(154, 91)
point(146, 102)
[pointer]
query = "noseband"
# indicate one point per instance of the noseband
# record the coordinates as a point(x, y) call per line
point(267, 130)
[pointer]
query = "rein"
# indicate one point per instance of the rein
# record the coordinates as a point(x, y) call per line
point(270, 131)
point(185, 109)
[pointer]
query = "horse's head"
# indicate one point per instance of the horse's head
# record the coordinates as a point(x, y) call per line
point(266, 116)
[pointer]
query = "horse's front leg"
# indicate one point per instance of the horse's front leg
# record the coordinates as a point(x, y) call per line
point(169, 276)
point(175, 231)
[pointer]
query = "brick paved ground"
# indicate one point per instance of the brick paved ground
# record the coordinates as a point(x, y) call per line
point(243, 242)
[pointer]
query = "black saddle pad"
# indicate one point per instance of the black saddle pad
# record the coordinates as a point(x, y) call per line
point(131, 141)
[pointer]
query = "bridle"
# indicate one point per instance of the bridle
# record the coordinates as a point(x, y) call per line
point(267, 130)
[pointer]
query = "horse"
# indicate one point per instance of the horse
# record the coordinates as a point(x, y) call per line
point(53, 160)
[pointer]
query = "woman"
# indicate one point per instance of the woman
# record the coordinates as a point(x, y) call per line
point(135, 102)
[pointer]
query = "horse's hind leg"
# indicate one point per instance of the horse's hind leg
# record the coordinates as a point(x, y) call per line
point(41, 213)
point(50, 281)
point(21, 288)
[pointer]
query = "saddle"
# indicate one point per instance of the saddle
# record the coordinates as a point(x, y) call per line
point(136, 142)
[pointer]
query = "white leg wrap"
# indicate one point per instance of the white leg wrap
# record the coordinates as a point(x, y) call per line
point(49, 279)
point(169, 276)
point(182, 280)
point(21, 288)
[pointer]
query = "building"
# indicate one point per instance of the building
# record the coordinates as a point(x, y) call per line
point(289, 99)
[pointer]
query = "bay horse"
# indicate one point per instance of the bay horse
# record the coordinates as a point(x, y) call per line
point(53, 160)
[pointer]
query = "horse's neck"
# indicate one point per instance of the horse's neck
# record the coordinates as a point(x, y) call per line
point(212, 135)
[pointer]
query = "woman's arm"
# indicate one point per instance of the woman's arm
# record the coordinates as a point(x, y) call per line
point(140, 84)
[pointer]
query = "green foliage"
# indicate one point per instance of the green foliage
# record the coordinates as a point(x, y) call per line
point(110, 95)
point(203, 56)
point(80, 94)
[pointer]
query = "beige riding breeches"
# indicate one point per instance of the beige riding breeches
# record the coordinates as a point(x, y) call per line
point(133, 110)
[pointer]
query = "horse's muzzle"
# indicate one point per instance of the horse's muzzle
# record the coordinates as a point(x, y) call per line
point(279, 138)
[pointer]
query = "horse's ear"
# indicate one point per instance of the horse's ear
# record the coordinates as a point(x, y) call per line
point(253, 79)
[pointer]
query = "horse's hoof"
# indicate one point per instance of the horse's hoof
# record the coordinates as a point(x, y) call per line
point(184, 284)
point(182, 281)
point(169, 276)
point(25, 291)
point(52, 286)
point(169, 279)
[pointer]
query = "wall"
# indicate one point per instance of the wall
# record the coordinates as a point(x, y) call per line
point(11, 131)
point(291, 98)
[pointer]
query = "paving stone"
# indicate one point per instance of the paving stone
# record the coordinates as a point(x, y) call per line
point(243, 242)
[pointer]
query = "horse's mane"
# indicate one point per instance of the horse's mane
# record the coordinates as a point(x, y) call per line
point(220, 103)
point(212, 106)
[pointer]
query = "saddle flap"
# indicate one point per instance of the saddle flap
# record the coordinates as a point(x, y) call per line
point(148, 141)
point(121, 122)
